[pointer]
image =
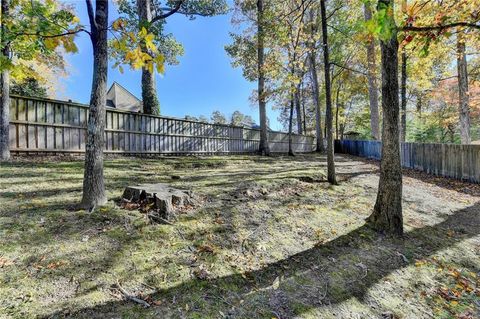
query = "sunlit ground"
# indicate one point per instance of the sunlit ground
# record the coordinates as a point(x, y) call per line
point(270, 239)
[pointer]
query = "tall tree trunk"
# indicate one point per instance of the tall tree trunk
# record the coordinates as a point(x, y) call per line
point(316, 99)
point(387, 213)
point(372, 80)
point(463, 106)
point(337, 109)
point(93, 181)
point(264, 148)
point(304, 114)
point(403, 118)
point(5, 90)
point(328, 96)
point(290, 126)
point(149, 90)
point(298, 110)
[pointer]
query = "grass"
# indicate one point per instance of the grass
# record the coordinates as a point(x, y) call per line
point(266, 242)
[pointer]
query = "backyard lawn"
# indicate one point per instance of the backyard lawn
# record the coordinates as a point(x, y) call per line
point(269, 238)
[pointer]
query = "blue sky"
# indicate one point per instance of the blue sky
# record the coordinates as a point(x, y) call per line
point(203, 81)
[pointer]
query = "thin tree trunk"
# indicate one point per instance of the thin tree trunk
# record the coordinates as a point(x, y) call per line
point(290, 127)
point(387, 212)
point(5, 91)
point(337, 109)
point(403, 93)
point(316, 99)
point(149, 89)
point(328, 96)
point(419, 104)
point(298, 111)
point(303, 112)
point(463, 106)
point(93, 181)
point(372, 81)
point(264, 148)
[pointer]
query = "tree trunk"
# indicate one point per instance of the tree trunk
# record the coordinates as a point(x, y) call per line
point(372, 81)
point(463, 107)
point(316, 99)
point(337, 109)
point(149, 90)
point(303, 112)
point(290, 127)
point(328, 96)
point(419, 104)
point(264, 148)
point(387, 213)
point(5, 91)
point(403, 118)
point(298, 110)
point(93, 181)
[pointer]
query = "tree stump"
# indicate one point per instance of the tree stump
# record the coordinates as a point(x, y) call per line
point(161, 199)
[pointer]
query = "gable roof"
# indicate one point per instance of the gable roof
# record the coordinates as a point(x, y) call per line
point(120, 98)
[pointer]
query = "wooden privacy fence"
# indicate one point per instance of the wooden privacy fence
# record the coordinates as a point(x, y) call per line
point(449, 160)
point(44, 125)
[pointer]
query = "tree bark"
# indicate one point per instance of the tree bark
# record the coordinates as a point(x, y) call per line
point(290, 127)
point(304, 114)
point(316, 99)
point(298, 110)
point(5, 91)
point(337, 109)
point(372, 81)
point(93, 180)
point(387, 213)
point(149, 90)
point(328, 96)
point(463, 106)
point(403, 118)
point(264, 148)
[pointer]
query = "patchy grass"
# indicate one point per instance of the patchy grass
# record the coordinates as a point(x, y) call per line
point(271, 240)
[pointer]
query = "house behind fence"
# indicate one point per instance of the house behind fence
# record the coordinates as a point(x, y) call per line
point(51, 126)
point(449, 160)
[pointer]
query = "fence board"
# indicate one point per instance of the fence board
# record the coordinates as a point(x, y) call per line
point(449, 160)
point(45, 125)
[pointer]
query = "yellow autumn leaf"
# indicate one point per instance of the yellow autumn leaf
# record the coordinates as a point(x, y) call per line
point(160, 68)
point(51, 43)
point(150, 67)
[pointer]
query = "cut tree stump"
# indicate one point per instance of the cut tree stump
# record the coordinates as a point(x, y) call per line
point(161, 199)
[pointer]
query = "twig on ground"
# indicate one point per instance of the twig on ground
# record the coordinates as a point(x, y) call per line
point(180, 233)
point(405, 259)
point(159, 219)
point(132, 298)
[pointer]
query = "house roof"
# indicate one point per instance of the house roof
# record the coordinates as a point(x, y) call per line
point(116, 86)
point(120, 98)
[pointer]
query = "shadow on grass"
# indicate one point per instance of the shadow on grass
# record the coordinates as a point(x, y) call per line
point(461, 186)
point(327, 274)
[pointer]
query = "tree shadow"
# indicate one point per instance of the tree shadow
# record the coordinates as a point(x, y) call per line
point(327, 274)
point(449, 183)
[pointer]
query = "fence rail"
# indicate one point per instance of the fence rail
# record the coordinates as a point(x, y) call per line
point(450, 160)
point(45, 125)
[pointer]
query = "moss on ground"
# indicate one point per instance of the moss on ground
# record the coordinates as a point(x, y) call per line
point(271, 239)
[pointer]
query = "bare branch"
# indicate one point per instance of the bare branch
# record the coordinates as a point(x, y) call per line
point(169, 13)
point(91, 15)
point(38, 34)
point(440, 27)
